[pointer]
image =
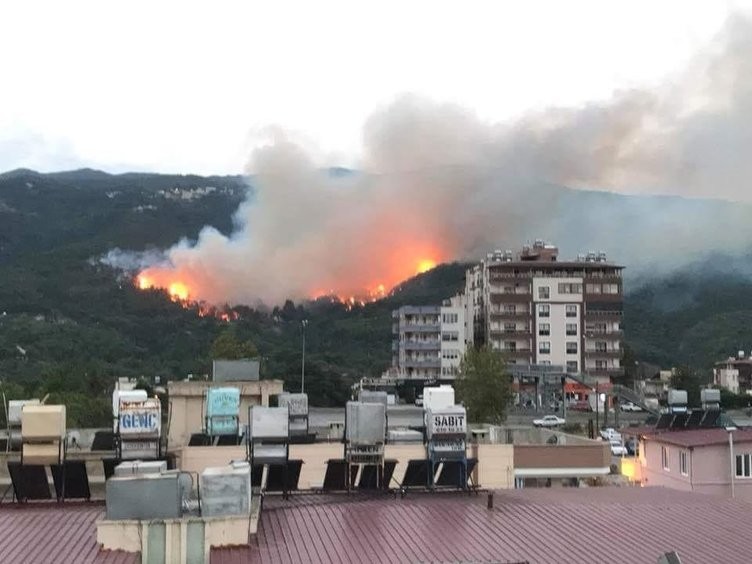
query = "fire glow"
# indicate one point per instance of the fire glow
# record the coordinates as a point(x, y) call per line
point(189, 293)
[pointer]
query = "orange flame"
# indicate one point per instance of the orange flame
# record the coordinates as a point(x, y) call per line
point(424, 265)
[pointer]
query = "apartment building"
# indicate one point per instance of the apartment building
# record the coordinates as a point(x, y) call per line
point(539, 310)
point(429, 341)
point(734, 374)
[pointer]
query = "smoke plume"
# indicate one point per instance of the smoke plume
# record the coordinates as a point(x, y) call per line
point(437, 183)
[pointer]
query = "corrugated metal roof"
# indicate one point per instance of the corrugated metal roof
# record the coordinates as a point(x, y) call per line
point(64, 533)
point(699, 437)
point(546, 525)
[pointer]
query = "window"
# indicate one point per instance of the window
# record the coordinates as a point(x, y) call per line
point(450, 336)
point(510, 346)
point(571, 347)
point(545, 362)
point(508, 289)
point(544, 310)
point(593, 288)
point(544, 293)
point(450, 318)
point(544, 347)
point(544, 329)
point(601, 365)
point(744, 466)
point(566, 288)
point(571, 329)
point(610, 288)
point(600, 346)
point(571, 366)
point(509, 308)
point(510, 328)
point(684, 463)
point(664, 458)
point(571, 311)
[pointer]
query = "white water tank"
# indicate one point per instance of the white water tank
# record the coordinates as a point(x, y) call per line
point(226, 490)
point(125, 395)
point(439, 397)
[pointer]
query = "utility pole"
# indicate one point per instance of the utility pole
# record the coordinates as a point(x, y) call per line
point(732, 459)
point(303, 325)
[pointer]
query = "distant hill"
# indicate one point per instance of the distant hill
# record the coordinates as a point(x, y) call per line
point(81, 324)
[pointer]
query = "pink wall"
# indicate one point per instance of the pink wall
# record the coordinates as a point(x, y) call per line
point(709, 469)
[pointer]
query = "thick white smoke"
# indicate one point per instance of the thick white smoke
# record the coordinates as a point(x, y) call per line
point(437, 183)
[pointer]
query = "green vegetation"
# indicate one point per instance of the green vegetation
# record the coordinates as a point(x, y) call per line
point(69, 326)
point(484, 386)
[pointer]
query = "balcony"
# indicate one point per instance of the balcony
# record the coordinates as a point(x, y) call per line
point(611, 353)
point(607, 334)
point(421, 327)
point(432, 363)
point(517, 314)
point(511, 334)
point(421, 345)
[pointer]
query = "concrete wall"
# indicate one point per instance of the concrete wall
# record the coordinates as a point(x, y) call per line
point(187, 408)
point(495, 469)
point(563, 457)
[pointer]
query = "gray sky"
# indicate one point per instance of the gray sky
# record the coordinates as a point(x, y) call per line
point(190, 86)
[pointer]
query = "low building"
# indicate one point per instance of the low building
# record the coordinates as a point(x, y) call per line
point(698, 460)
point(187, 407)
point(429, 341)
point(734, 374)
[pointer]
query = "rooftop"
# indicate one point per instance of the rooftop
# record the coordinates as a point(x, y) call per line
point(547, 525)
point(698, 437)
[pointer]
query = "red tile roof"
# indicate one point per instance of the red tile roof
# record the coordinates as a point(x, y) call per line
point(699, 437)
point(549, 525)
point(49, 532)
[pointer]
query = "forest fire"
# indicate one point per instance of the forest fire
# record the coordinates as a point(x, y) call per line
point(190, 293)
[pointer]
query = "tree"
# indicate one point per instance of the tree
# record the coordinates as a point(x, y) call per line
point(228, 347)
point(483, 385)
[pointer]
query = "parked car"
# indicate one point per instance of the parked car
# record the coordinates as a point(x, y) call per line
point(610, 434)
point(629, 406)
point(549, 421)
point(617, 449)
point(419, 401)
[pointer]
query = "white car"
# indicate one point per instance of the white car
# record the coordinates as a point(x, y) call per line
point(549, 421)
point(610, 434)
point(617, 449)
point(629, 406)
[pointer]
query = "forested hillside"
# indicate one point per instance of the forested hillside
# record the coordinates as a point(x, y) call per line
point(70, 325)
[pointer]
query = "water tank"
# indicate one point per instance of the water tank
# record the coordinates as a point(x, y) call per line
point(677, 397)
point(448, 421)
point(135, 467)
point(370, 396)
point(438, 397)
point(269, 422)
point(365, 423)
point(15, 407)
point(296, 403)
point(226, 490)
point(42, 423)
point(138, 419)
point(710, 399)
point(144, 497)
point(127, 395)
point(222, 411)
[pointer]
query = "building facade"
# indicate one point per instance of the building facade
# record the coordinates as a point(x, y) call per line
point(698, 460)
point(734, 374)
point(539, 310)
point(428, 342)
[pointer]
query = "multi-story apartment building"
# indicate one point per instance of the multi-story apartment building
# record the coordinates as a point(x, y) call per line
point(734, 374)
point(540, 310)
point(429, 341)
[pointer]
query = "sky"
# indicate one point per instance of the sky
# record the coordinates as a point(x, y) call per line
point(194, 86)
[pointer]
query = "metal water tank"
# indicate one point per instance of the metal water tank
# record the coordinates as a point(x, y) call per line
point(226, 490)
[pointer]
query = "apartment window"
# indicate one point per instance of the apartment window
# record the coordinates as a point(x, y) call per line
point(743, 465)
point(545, 362)
point(571, 311)
point(610, 288)
point(571, 366)
point(601, 365)
point(600, 346)
point(510, 327)
point(544, 347)
point(684, 463)
point(450, 336)
point(664, 458)
point(509, 308)
point(571, 329)
point(450, 318)
point(544, 311)
point(544, 292)
point(544, 329)
point(571, 347)
point(510, 346)
point(593, 288)
point(567, 288)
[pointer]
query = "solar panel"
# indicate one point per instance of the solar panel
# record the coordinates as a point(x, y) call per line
point(664, 421)
point(29, 481)
point(275, 479)
point(451, 473)
point(199, 439)
point(710, 419)
point(103, 440)
point(109, 466)
point(416, 474)
point(336, 472)
point(71, 480)
point(679, 420)
point(694, 419)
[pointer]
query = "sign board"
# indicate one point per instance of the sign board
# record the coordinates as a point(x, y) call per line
point(449, 421)
point(297, 403)
point(139, 450)
point(140, 418)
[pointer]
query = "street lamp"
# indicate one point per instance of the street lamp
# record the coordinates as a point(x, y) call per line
point(303, 325)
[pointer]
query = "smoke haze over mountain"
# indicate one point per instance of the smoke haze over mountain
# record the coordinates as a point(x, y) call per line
point(436, 183)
